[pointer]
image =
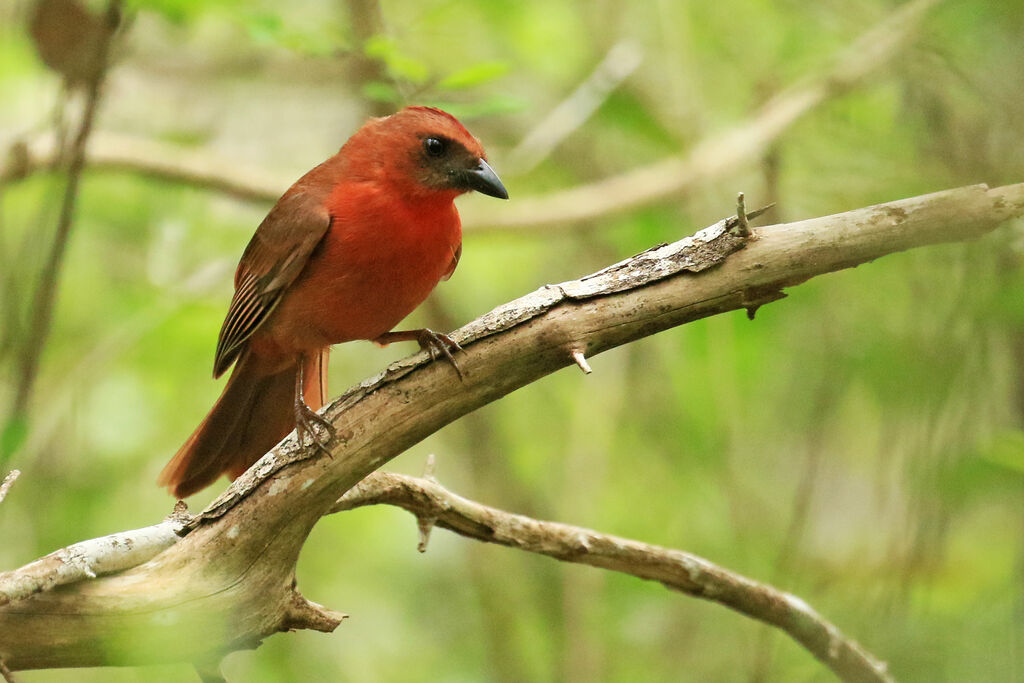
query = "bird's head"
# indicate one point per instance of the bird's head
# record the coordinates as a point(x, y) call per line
point(440, 155)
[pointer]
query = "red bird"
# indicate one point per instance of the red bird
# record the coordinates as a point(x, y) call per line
point(346, 253)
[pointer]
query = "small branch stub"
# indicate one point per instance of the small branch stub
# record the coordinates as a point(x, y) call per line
point(4, 671)
point(742, 224)
point(581, 361)
point(8, 483)
point(429, 466)
point(306, 614)
point(425, 523)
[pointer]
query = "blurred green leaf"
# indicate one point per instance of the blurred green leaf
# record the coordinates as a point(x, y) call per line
point(474, 75)
point(488, 106)
point(264, 27)
point(399, 65)
point(995, 468)
point(1007, 453)
point(379, 91)
point(175, 11)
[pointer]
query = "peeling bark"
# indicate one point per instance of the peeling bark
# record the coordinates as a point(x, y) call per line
point(229, 582)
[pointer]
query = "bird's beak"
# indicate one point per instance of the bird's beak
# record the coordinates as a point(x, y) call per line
point(483, 179)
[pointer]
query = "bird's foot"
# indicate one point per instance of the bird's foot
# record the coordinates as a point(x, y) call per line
point(306, 422)
point(437, 345)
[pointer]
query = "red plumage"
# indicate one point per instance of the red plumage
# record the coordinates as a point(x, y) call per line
point(346, 253)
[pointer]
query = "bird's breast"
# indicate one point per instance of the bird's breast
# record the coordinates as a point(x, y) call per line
point(378, 261)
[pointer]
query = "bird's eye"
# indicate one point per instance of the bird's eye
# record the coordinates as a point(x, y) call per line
point(434, 146)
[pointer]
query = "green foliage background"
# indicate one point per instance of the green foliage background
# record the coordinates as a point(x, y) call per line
point(860, 444)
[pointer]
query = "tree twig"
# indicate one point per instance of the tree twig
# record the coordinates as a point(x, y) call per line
point(45, 294)
point(366, 20)
point(92, 558)
point(675, 569)
point(718, 154)
point(153, 159)
point(8, 483)
point(671, 177)
point(572, 112)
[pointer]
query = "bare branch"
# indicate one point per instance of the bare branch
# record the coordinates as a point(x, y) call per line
point(43, 301)
point(367, 22)
point(719, 154)
point(154, 159)
point(572, 112)
point(672, 177)
point(236, 562)
point(675, 569)
point(92, 558)
point(8, 483)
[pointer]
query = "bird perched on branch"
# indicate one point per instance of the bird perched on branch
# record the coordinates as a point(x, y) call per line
point(346, 253)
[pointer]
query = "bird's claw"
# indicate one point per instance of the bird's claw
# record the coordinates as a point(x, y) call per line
point(306, 421)
point(438, 345)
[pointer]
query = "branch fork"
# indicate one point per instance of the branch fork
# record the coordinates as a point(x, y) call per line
point(236, 561)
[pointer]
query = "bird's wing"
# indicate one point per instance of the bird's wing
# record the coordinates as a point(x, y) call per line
point(275, 256)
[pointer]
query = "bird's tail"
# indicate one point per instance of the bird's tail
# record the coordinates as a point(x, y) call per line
point(252, 415)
